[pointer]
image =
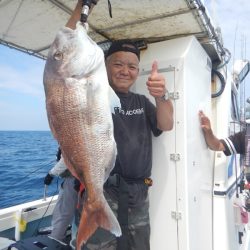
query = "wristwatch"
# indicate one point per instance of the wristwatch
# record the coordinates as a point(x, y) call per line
point(165, 97)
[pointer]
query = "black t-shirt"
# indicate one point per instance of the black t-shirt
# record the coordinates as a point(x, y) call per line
point(133, 124)
point(235, 144)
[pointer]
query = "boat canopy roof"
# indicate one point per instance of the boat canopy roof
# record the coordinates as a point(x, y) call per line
point(31, 25)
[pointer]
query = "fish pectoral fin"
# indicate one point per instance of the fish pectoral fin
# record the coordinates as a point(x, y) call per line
point(114, 100)
point(94, 216)
point(108, 221)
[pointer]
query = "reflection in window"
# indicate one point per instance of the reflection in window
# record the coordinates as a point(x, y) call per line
point(235, 107)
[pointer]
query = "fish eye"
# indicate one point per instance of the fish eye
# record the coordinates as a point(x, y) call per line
point(58, 56)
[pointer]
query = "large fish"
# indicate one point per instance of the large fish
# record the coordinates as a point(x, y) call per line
point(79, 101)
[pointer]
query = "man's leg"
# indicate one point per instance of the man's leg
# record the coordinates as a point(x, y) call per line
point(139, 227)
point(63, 213)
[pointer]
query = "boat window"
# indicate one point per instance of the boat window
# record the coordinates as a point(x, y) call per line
point(248, 112)
point(235, 112)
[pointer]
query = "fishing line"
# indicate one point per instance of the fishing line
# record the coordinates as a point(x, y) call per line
point(36, 170)
point(43, 216)
point(41, 219)
point(235, 35)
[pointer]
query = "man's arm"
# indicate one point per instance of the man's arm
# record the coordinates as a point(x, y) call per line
point(212, 141)
point(76, 14)
point(164, 114)
point(59, 168)
point(164, 108)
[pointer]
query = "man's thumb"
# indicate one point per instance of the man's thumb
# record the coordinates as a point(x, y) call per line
point(154, 68)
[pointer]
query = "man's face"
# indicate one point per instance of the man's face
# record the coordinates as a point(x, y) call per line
point(122, 68)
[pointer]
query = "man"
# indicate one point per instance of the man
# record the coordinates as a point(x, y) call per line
point(238, 143)
point(234, 144)
point(127, 188)
point(65, 207)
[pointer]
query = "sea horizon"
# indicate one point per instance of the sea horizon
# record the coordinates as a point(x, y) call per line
point(24, 130)
point(26, 157)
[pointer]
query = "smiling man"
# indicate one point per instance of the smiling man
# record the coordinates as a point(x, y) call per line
point(126, 190)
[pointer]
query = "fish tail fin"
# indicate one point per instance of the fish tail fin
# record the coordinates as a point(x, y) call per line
point(114, 100)
point(97, 214)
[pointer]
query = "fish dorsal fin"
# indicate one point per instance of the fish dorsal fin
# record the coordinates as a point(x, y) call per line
point(114, 100)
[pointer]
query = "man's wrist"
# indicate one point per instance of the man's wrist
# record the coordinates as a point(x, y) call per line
point(165, 97)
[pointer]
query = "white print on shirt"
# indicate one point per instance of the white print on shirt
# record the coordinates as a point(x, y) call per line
point(131, 112)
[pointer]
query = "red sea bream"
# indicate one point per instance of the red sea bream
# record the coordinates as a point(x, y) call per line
point(79, 101)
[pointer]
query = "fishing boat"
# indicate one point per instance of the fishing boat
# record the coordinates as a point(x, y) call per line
point(196, 200)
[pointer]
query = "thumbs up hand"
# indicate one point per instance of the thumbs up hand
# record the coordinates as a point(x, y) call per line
point(156, 82)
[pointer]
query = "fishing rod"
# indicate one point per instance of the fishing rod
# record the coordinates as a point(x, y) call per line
point(86, 5)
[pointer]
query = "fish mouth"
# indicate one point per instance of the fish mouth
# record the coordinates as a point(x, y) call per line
point(78, 77)
point(79, 25)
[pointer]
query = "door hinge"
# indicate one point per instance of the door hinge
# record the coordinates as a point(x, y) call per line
point(176, 215)
point(174, 95)
point(175, 157)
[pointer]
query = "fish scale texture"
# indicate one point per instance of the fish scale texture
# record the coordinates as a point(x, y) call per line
point(78, 108)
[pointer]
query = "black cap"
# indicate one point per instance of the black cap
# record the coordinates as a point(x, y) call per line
point(123, 45)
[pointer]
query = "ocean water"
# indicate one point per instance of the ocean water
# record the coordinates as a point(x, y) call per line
point(25, 159)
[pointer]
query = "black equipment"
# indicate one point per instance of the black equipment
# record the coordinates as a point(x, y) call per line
point(40, 242)
point(85, 9)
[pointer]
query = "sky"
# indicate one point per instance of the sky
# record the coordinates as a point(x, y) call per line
point(22, 100)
